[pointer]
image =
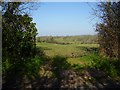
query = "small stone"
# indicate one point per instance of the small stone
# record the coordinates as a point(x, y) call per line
point(85, 77)
point(62, 86)
point(75, 86)
point(28, 86)
point(66, 86)
point(90, 78)
point(80, 78)
point(100, 85)
point(104, 84)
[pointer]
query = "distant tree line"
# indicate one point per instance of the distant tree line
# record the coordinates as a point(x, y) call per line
point(83, 39)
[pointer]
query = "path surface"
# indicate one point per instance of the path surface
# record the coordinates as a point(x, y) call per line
point(90, 79)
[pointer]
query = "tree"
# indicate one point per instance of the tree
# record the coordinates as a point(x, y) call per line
point(18, 40)
point(109, 28)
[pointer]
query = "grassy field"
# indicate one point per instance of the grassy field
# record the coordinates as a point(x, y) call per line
point(75, 53)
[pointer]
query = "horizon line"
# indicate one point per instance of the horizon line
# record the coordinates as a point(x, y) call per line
point(65, 35)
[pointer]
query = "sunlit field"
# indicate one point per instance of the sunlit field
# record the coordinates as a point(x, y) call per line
point(75, 53)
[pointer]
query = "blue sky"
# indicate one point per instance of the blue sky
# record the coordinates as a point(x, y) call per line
point(64, 18)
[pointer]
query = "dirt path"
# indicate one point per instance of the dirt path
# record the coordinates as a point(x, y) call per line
point(89, 79)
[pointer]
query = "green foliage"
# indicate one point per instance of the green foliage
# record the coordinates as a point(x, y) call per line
point(29, 67)
point(18, 42)
point(59, 63)
point(32, 67)
point(78, 67)
point(5, 66)
point(104, 64)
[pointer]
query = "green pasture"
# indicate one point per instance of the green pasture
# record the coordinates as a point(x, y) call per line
point(75, 53)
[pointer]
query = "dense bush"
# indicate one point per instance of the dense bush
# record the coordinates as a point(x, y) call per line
point(18, 43)
point(59, 63)
point(109, 28)
point(105, 64)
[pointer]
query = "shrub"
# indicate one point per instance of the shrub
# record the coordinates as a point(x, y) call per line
point(104, 64)
point(59, 63)
point(32, 67)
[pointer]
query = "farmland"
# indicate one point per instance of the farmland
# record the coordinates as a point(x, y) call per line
point(78, 51)
point(74, 52)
